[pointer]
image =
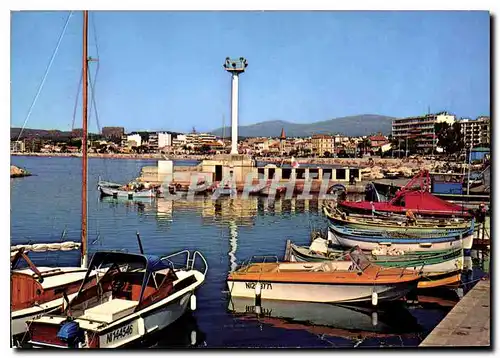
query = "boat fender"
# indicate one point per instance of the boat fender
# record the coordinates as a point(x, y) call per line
point(258, 310)
point(193, 303)
point(257, 289)
point(374, 298)
point(257, 294)
point(193, 337)
point(374, 318)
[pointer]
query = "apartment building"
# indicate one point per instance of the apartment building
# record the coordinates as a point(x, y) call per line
point(196, 140)
point(476, 131)
point(420, 128)
point(322, 143)
point(159, 140)
point(179, 141)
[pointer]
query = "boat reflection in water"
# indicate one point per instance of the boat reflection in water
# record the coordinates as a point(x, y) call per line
point(345, 321)
point(242, 210)
point(183, 333)
point(140, 204)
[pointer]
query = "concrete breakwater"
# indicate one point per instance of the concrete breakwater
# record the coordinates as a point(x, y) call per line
point(370, 168)
point(364, 162)
point(16, 172)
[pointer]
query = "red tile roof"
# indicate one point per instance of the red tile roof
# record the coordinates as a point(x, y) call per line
point(378, 138)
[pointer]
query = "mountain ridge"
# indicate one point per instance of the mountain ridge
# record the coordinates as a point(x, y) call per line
point(357, 125)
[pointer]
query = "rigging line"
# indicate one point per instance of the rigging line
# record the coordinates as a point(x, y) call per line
point(95, 38)
point(77, 98)
point(45, 75)
point(92, 86)
point(96, 72)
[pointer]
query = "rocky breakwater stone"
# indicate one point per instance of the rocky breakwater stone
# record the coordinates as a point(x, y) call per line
point(18, 172)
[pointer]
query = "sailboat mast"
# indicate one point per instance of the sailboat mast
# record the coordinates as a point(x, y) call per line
point(84, 142)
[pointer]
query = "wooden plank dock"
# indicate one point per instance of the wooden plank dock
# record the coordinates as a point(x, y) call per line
point(467, 324)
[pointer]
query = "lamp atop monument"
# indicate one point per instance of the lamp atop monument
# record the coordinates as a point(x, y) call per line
point(235, 65)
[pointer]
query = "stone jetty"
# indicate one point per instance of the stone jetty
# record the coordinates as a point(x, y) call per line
point(468, 323)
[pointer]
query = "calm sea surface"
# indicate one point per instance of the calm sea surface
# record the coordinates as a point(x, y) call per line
point(47, 206)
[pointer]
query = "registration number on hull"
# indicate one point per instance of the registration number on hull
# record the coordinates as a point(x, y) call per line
point(263, 285)
point(120, 334)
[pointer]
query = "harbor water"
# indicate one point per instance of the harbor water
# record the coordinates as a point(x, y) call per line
point(46, 207)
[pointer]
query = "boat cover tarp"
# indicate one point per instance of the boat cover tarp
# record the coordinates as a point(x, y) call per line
point(417, 201)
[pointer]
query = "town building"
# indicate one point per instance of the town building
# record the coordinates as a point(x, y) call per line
point(282, 141)
point(157, 140)
point(197, 140)
point(113, 132)
point(17, 146)
point(322, 143)
point(421, 129)
point(164, 139)
point(180, 140)
point(378, 142)
point(475, 132)
point(134, 140)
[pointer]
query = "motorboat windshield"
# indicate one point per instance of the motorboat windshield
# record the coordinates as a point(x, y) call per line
point(359, 258)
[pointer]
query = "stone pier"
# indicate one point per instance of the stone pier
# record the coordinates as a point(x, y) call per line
point(468, 323)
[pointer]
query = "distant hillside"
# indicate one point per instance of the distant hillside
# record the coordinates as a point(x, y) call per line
point(351, 126)
point(38, 133)
point(52, 134)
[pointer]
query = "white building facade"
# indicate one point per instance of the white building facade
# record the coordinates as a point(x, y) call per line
point(420, 128)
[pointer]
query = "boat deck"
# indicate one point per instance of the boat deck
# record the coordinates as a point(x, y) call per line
point(264, 267)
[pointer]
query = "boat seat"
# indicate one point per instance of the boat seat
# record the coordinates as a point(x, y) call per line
point(110, 311)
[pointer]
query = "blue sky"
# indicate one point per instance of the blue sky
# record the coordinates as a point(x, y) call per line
point(163, 70)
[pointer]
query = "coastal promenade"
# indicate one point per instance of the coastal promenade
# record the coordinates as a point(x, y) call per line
point(468, 323)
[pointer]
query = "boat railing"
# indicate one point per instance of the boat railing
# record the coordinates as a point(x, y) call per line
point(257, 259)
point(403, 270)
point(190, 261)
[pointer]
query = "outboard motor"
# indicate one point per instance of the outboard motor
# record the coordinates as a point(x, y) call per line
point(71, 334)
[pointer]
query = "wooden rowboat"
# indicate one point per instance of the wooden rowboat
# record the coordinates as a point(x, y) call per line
point(371, 240)
point(391, 224)
point(432, 262)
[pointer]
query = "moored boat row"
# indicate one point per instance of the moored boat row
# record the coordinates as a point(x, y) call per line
point(365, 258)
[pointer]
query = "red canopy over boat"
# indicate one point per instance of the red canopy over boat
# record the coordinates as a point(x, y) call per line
point(420, 201)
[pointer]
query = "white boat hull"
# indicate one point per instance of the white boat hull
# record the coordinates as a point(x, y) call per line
point(132, 328)
point(139, 328)
point(325, 293)
point(464, 243)
point(126, 194)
